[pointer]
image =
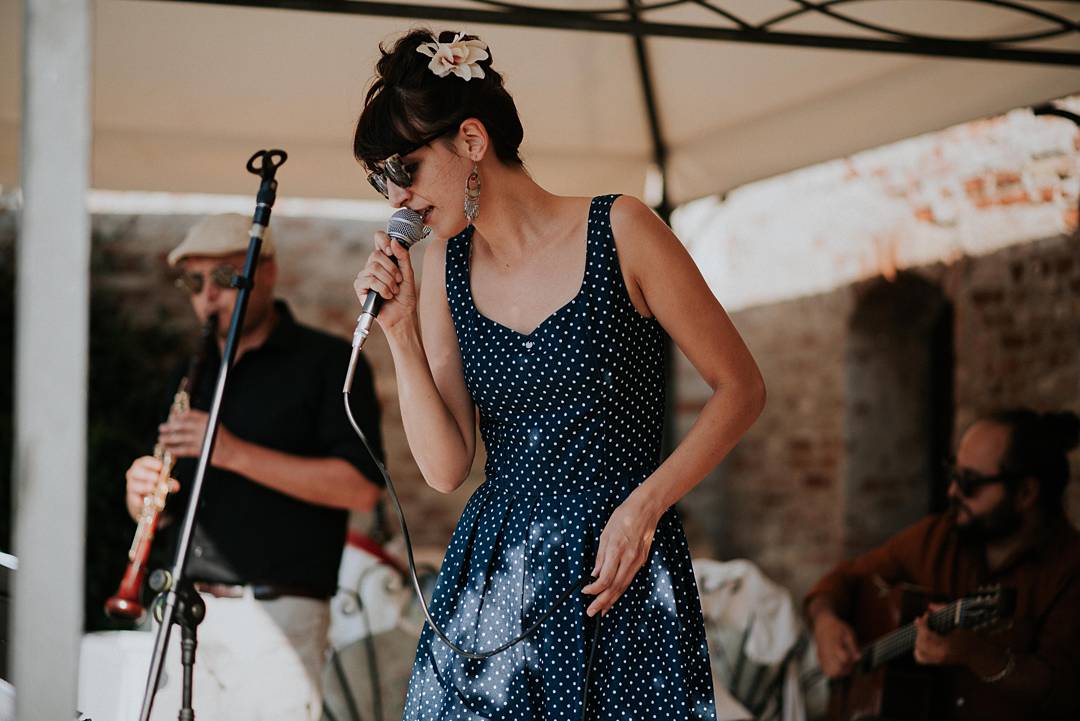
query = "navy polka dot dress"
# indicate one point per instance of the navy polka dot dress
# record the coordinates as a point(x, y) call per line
point(571, 417)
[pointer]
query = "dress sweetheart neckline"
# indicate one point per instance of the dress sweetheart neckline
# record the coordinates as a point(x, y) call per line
point(555, 313)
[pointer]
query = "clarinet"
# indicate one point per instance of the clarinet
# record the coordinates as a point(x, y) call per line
point(124, 605)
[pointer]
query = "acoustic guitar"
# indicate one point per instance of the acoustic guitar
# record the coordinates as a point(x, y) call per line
point(887, 684)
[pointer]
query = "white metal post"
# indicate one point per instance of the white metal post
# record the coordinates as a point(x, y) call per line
point(51, 343)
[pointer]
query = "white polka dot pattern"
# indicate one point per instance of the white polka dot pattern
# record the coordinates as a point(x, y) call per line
point(571, 417)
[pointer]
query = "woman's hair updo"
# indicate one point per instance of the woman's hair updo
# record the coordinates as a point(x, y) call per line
point(1038, 447)
point(407, 103)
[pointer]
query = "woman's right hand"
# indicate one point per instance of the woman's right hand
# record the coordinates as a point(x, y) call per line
point(395, 283)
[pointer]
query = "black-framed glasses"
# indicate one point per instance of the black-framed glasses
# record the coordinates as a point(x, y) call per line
point(397, 170)
point(969, 481)
point(194, 281)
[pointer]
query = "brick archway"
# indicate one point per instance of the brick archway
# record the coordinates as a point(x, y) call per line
point(898, 407)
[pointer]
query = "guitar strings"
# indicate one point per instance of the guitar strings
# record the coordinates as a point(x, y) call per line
point(899, 641)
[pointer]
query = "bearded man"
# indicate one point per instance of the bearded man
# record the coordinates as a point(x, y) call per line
point(1006, 525)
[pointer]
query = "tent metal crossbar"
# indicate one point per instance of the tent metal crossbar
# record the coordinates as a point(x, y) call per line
point(621, 20)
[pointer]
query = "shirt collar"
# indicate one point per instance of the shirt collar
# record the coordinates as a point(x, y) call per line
point(283, 335)
point(285, 329)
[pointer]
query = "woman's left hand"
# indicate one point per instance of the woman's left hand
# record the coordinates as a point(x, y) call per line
point(624, 548)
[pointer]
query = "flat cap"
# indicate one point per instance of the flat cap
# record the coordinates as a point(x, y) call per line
point(219, 235)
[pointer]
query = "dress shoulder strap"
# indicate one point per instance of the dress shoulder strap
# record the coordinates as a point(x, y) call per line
point(457, 262)
point(457, 272)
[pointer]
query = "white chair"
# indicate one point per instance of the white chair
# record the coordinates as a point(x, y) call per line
point(756, 638)
point(375, 622)
point(112, 674)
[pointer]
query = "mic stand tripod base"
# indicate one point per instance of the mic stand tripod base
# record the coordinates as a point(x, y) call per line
point(190, 612)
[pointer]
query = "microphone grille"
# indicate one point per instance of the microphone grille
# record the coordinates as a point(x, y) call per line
point(406, 226)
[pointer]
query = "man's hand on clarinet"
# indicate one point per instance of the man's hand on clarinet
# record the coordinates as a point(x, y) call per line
point(182, 436)
point(142, 479)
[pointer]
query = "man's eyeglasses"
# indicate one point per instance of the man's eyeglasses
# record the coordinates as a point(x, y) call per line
point(194, 282)
point(969, 481)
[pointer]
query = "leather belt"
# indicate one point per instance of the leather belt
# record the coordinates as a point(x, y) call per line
point(259, 591)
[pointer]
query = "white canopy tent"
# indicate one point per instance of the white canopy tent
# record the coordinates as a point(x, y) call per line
point(183, 93)
point(175, 96)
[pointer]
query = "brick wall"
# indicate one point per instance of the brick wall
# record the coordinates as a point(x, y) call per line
point(1018, 333)
point(780, 498)
point(987, 213)
point(777, 498)
point(966, 191)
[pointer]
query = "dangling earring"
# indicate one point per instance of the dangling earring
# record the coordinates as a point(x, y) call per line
point(472, 195)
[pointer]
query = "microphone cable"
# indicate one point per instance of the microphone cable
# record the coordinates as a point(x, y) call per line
point(475, 655)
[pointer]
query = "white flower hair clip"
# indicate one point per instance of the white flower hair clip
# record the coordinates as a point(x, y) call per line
point(460, 57)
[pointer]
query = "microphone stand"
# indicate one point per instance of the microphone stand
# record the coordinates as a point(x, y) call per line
point(177, 601)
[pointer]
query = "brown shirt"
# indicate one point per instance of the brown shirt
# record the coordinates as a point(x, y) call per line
point(1044, 636)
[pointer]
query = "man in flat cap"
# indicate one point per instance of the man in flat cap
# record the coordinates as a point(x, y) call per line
point(285, 472)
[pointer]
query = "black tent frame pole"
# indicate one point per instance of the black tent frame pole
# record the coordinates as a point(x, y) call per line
point(662, 208)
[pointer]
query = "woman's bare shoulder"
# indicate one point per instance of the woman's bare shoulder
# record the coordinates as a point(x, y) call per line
point(640, 233)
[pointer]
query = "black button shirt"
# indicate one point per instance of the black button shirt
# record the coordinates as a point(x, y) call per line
point(285, 395)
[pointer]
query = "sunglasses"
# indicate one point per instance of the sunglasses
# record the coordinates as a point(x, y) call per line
point(396, 170)
point(194, 282)
point(969, 481)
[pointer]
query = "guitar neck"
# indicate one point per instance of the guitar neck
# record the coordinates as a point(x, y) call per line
point(902, 640)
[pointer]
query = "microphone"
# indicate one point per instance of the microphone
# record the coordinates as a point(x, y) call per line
point(406, 226)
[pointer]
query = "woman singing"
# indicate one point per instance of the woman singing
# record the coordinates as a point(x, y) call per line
point(546, 315)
